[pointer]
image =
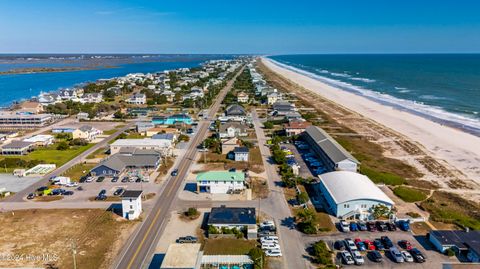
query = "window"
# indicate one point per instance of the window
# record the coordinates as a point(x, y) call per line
point(346, 206)
point(130, 200)
point(131, 206)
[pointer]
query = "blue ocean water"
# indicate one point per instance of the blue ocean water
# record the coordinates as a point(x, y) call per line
point(442, 87)
point(16, 87)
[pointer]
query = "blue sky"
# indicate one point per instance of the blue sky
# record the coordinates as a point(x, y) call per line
point(266, 27)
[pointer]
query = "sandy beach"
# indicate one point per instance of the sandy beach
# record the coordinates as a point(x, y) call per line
point(459, 149)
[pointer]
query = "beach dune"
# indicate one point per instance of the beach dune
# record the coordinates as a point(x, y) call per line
point(460, 149)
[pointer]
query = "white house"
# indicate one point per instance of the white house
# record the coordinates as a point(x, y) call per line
point(92, 98)
point(240, 154)
point(242, 97)
point(232, 129)
point(131, 204)
point(351, 195)
point(272, 98)
point(137, 99)
point(220, 182)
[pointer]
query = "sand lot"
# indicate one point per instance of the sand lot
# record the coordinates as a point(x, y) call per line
point(39, 237)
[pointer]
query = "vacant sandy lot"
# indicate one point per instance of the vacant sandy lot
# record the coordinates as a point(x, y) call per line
point(39, 237)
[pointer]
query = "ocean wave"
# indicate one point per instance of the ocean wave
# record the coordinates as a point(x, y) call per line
point(435, 113)
point(343, 75)
point(432, 97)
point(367, 80)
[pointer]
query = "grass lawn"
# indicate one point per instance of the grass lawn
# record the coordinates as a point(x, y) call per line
point(410, 195)
point(452, 208)
point(255, 160)
point(77, 171)
point(134, 135)
point(52, 155)
point(420, 228)
point(99, 153)
point(110, 132)
point(227, 246)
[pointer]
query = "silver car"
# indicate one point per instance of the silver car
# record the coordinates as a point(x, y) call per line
point(396, 255)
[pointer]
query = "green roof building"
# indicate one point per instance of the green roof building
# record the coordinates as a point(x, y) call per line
point(220, 182)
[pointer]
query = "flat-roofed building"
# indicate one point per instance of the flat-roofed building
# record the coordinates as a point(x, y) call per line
point(332, 154)
point(146, 143)
point(241, 218)
point(40, 140)
point(24, 120)
point(465, 243)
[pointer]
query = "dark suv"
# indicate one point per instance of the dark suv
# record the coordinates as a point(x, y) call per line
point(187, 239)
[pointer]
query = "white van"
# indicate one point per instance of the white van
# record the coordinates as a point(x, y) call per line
point(273, 253)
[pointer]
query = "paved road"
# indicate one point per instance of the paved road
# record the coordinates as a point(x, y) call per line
point(20, 196)
point(137, 252)
point(275, 205)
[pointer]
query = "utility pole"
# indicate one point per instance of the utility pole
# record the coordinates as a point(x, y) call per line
point(74, 253)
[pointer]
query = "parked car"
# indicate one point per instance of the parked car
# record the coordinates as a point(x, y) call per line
point(371, 226)
point(101, 197)
point(100, 179)
point(391, 226)
point(360, 245)
point(386, 242)
point(41, 189)
point(187, 239)
point(124, 179)
point(362, 226)
point(353, 227)
point(89, 179)
point(344, 226)
point(381, 226)
point(80, 188)
point(30, 196)
point(378, 245)
point(357, 257)
point(347, 258)
point(114, 179)
point(273, 253)
point(350, 244)
point(340, 245)
point(119, 192)
point(417, 255)
point(103, 192)
point(270, 246)
point(396, 255)
point(266, 240)
point(369, 245)
point(68, 193)
point(71, 184)
point(404, 225)
point(174, 172)
point(405, 244)
point(407, 257)
point(375, 256)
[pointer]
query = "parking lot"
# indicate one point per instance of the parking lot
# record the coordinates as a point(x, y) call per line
point(89, 190)
point(434, 259)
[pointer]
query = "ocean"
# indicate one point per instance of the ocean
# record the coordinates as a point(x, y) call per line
point(441, 87)
point(17, 87)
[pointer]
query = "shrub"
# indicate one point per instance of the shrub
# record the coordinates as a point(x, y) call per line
point(449, 252)
point(382, 177)
point(212, 230)
point(63, 146)
point(258, 257)
point(78, 142)
point(307, 227)
point(302, 197)
point(321, 253)
point(268, 125)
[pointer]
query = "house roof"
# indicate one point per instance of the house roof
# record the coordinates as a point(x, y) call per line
point(131, 157)
point(166, 136)
point(232, 215)
point(221, 176)
point(240, 150)
point(38, 138)
point(235, 110)
point(131, 194)
point(138, 142)
point(236, 125)
point(459, 238)
point(17, 144)
point(86, 128)
point(297, 125)
point(345, 186)
point(332, 149)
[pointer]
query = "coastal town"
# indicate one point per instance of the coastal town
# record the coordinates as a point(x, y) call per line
point(229, 164)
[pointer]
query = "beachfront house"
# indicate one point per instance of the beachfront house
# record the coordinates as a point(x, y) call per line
point(220, 182)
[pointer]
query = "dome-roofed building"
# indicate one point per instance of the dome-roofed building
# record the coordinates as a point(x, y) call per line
point(351, 195)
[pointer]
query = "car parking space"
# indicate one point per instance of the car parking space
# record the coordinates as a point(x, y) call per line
point(397, 238)
point(304, 170)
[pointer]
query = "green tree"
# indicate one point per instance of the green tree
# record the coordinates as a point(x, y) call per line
point(268, 125)
point(63, 146)
point(258, 257)
point(302, 197)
